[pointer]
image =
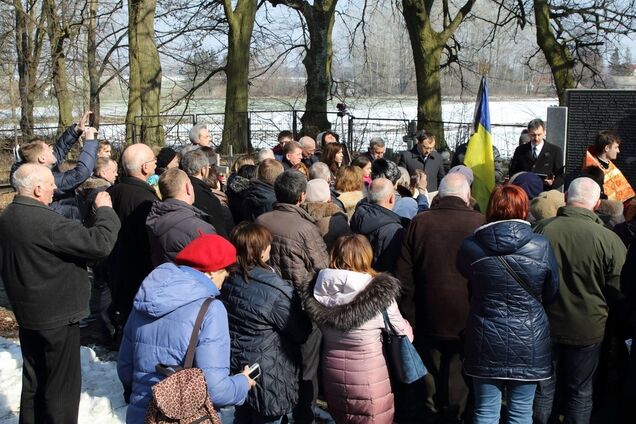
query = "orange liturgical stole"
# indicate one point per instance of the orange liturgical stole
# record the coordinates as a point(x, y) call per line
point(615, 185)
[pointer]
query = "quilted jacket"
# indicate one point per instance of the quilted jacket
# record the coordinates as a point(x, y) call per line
point(508, 333)
point(298, 250)
point(267, 325)
point(158, 332)
point(172, 224)
point(347, 306)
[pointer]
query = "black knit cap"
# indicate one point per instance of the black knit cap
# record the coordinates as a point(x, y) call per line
point(165, 156)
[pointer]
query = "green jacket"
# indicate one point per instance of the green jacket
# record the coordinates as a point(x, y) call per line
point(590, 259)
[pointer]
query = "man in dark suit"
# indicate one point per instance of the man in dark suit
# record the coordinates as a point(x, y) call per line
point(424, 156)
point(376, 149)
point(539, 157)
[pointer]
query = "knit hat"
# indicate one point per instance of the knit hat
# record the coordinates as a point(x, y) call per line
point(546, 204)
point(318, 191)
point(530, 182)
point(465, 171)
point(165, 156)
point(207, 253)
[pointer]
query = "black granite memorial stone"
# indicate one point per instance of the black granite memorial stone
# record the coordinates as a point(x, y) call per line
point(590, 111)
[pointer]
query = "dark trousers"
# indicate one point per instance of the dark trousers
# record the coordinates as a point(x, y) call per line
point(573, 375)
point(51, 375)
point(308, 384)
point(445, 385)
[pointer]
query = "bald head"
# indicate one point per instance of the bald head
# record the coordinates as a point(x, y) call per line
point(583, 192)
point(454, 184)
point(139, 161)
point(381, 192)
point(34, 181)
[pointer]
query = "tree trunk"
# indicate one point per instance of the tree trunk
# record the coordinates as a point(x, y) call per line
point(91, 62)
point(144, 95)
point(317, 61)
point(134, 82)
point(427, 45)
point(28, 41)
point(235, 125)
point(57, 34)
point(557, 55)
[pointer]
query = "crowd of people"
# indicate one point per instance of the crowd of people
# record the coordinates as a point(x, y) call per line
point(308, 251)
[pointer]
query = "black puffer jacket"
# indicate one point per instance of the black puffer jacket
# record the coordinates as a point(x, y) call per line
point(236, 190)
point(267, 325)
point(508, 333)
point(259, 198)
point(385, 231)
point(172, 224)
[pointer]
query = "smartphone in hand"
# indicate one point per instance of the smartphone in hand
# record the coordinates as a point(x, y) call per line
point(255, 371)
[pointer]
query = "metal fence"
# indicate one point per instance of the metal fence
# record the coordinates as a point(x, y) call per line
point(264, 126)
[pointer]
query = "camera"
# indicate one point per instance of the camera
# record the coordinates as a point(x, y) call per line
point(342, 109)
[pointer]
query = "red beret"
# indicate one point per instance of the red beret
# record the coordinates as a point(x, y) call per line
point(207, 253)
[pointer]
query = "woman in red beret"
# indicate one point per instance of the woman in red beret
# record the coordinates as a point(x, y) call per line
point(159, 328)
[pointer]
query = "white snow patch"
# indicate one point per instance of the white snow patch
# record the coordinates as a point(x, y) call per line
point(101, 401)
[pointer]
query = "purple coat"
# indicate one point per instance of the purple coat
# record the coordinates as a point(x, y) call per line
point(347, 306)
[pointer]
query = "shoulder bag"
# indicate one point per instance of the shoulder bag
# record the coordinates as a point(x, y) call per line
point(183, 397)
point(403, 360)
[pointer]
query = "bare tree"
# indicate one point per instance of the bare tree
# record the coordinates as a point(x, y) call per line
point(144, 88)
point(428, 45)
point(572, 37)
point(319, 20)
point(241, 24)
point(29, 41)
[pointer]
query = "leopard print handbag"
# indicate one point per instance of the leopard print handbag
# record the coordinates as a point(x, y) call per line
point(183, 397)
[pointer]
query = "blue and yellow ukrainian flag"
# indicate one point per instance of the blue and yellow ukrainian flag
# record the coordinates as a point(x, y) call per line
point(479, 154)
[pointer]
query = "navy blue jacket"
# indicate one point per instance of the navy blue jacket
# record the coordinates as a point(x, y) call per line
point(267, 325)
point(508, 332)
point(259, 198)
point(385, 231)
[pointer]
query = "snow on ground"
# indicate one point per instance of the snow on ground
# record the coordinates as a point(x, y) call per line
point(101, 401)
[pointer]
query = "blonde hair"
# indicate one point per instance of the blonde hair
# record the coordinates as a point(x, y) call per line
point(352, 252)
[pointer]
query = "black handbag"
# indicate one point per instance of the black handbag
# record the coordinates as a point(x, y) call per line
point(404, 362)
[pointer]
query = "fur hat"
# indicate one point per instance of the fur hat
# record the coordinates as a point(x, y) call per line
point(207, 253)
point(318, 191)
point(546, 204)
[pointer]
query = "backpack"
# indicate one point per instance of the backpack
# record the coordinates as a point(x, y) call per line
point(182, 397)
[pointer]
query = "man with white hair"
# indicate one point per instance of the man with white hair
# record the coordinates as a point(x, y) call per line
point(590, 258)
point(130, 261)
point(200, 136)
point(376, 149)
point(265, 153)
point(309, 149)
point(43, 266)
point(435, 294)
point(384, 228)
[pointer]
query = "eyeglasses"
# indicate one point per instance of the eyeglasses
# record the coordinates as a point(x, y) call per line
point(149, 161)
